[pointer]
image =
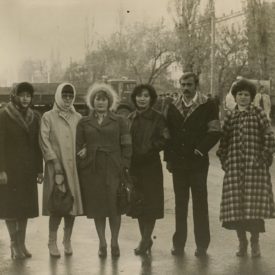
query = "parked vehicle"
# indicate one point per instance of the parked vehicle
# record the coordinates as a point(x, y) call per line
point(44, 96)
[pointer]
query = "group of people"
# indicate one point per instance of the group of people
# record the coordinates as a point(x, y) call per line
point(89, 156)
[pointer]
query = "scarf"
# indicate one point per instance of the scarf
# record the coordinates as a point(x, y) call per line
point(59, 105)
point(16, 115)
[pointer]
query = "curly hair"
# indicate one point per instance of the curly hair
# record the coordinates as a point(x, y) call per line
point(141, 87)
point(244, 85)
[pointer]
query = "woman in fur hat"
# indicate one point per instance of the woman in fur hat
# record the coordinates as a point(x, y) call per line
point(20, 166)
point(245, 152)
point(107, 140)
point(57, 141)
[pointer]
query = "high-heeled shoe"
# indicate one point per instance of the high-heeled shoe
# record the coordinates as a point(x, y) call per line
point(26, 252)
point(242, 251)
point(16, 252)
point(143, 247)
point(115, 251)
point(102, 251)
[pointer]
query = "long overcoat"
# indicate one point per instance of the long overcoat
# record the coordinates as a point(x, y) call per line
point(245, 152)
point(149, 134)
point(57, 141)
point(21, 159)
point(108, 152)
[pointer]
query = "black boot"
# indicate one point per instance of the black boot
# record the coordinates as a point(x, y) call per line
point(22, 225)
point(16, 252)
point(243, 243)
point(255, 246)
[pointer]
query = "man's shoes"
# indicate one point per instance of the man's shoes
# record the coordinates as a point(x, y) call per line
point(200, 252)
point(176, 251)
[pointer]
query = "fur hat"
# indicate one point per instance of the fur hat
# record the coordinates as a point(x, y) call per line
point(243, 85)
point(21, 87)
point(101, 87)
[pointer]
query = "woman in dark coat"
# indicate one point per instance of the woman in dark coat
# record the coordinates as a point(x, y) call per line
point(104, 149)
point(245, 152)
point(149, 134)
point(20, 166)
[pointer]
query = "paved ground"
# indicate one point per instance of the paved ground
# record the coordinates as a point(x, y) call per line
point(221, 257)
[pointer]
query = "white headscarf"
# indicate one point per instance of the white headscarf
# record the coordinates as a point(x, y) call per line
point(59, 103)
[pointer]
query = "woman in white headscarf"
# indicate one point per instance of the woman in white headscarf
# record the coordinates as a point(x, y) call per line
point(57, 141)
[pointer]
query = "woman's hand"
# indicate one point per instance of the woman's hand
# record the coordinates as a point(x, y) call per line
point(59, 179)
point(3, 177)
point(57, 167)
point(169, 167)
point(82, 154)
point(40, 178)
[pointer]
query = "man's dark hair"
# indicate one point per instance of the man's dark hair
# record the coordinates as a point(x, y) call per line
point(187, 75)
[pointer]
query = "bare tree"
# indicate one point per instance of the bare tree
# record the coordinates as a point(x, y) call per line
point(257, 24)
point(193, 34)
point(231, 56)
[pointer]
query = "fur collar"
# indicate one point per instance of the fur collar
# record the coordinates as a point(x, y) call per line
point(14, 114)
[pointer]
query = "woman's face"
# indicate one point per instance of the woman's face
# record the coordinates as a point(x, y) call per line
point(24, 99)
point(67, 98)
point(243, 98)
point(101, 103)
point(143, 100)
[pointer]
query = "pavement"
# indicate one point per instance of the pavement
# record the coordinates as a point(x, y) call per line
point(220, 259)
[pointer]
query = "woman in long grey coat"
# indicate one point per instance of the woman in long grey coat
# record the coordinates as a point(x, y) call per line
point(106, 138)
point(20, 164)
point(149, 136)
point(57, 141)
point(245, 152)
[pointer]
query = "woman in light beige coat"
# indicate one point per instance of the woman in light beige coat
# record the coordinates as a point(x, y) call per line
point(57, 141)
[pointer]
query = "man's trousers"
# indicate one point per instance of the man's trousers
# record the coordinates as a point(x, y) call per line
point(183, 181)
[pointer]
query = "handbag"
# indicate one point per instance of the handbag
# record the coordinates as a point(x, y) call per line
point(60, 203)
point(124, 192)
point(136, 206)
point(129, 200)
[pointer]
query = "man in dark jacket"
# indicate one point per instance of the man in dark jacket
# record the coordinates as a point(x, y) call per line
point(194, 128)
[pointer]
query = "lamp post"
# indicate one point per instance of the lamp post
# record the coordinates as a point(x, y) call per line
point(212, 55)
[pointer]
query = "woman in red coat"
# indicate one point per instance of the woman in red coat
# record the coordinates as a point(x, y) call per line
point(245, 152)
point(20, 165)
point(149, 134)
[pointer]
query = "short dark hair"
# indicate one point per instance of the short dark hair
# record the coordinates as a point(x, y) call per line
point(188, 75)
point(151, 90)
point(68, 89)
point(244, 85)
point(24, 87)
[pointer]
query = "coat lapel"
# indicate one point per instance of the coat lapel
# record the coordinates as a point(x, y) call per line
point(15, 115)
point(201, 99)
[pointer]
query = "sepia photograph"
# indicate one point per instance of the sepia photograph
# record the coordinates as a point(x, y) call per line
point(137, 137)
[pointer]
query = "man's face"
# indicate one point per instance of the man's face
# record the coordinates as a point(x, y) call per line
point(188, 87)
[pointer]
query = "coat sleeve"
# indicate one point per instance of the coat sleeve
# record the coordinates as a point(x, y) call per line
point(222, 151)
point(213, 133)
point(2, 142)
point(39, 156)
point(80, 136)
point(268, 140)
point(44, 139)
point(161, 135)
point(125, 142)
point(168, 146)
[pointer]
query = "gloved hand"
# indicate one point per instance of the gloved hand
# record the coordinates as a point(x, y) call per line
point(3, 177)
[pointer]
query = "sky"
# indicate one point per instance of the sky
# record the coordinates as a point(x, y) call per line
point(32, 29)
